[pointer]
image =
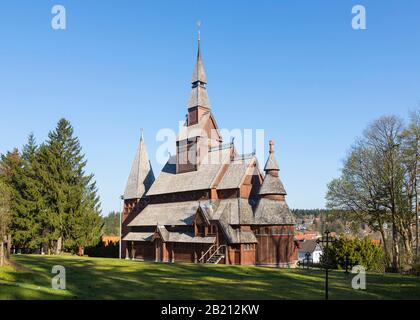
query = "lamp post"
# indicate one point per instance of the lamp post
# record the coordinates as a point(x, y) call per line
point(121, 213)
point(327, 240)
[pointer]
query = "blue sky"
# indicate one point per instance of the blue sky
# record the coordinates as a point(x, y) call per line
point(294, 68)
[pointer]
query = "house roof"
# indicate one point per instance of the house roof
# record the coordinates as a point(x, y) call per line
point(198, 130)
point(271, 163)
point(166, 214)
point(235, 173)
point(308, 246)
point(273, 212)
point(240, 211)
point(168, 237)
point(139, 236)
point(141, 175)
point(203, 178)
point(189, 238)
point(199, 97)
point(234, 235)
point(272, 185)
point(228, 212)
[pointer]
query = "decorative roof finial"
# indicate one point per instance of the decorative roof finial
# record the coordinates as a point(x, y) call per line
point(141, 134)
point(271, 143)
point(199, 27)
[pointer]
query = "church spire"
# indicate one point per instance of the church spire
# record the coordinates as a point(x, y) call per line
point(141, 176)
point(199, 97)
point(199, 74)
point(271, 165)
point(272, 184)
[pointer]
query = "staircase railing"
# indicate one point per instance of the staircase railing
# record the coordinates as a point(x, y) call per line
point(211, 252)
point(207, 252)
point(217, 251)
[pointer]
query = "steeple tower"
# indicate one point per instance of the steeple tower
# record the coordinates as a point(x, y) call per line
point(199, 100)
point(272, 208)
point(199, 75)
point(200, 131)
point(141, 176)
point(272, 186)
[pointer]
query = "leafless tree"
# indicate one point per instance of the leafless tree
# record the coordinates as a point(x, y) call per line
point(378, 185)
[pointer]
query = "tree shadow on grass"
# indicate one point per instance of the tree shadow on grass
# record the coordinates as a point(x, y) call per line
point(89, 278)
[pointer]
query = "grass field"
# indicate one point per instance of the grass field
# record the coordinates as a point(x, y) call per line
point(92, 278)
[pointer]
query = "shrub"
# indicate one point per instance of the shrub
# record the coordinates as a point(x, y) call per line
point(416, 266)
point(359, 252)
point(111, 250)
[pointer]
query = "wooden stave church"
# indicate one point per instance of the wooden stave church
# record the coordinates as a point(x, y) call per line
point(216, 208)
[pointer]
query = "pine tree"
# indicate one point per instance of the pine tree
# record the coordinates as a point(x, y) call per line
point(72, 215)
point(28, 199)
point(20, 176)
point(5, 218)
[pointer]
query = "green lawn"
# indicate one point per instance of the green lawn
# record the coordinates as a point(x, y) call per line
point(92, 278)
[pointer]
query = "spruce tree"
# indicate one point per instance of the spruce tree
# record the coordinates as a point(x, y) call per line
point(28, 199)
point(20, 176)
point(5, 218)
point(72, 214)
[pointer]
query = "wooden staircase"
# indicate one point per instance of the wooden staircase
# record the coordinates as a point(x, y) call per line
point(213, 255)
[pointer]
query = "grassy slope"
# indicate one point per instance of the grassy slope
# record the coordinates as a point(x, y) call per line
point(89, 278)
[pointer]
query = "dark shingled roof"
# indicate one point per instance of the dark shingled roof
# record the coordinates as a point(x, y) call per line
point(139, 236)
point(235, 173)
point(170, 182)
point(234, 235)
point(199, 75)
point(308, 246)
point(273, 212)
point(166, 214)
point(272, 163)
point(272, 185)
point(141, 174)
point(199, 97)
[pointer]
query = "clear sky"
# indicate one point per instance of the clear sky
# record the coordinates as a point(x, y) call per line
point(294, 68)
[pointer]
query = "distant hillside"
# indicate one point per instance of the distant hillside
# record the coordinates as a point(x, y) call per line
point(302, 213)
point(111, 224)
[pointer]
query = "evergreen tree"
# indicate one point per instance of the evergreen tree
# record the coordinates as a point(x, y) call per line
point(5, 218)
point(72, 214)
point(20, 176)
point(111, 224)
point(85, 225)
point(28, 199)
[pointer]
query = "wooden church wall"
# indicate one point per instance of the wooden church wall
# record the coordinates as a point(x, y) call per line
point(144, 251)
point(276, 246)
